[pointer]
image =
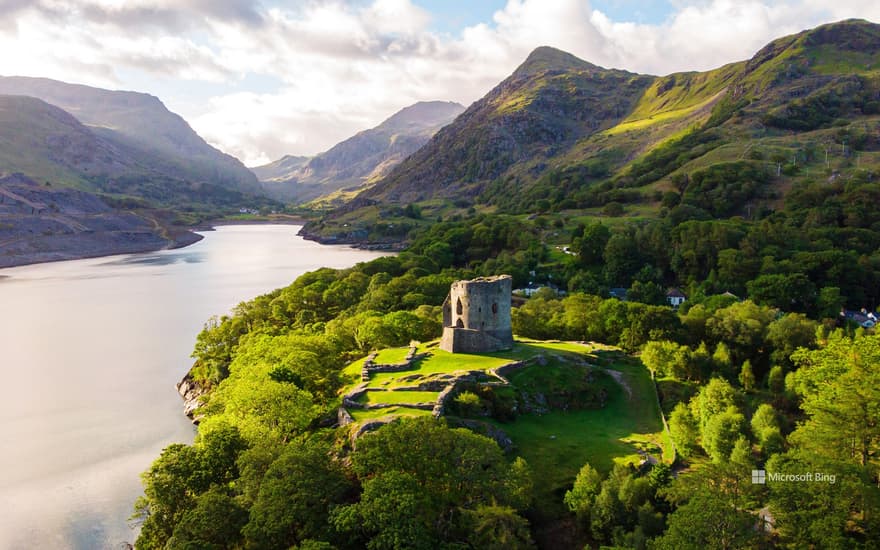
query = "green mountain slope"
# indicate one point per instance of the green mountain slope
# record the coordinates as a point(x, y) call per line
point(50, 145)
point(141, 123)
point(561, 134)
point(360, 159)
point(549, 103)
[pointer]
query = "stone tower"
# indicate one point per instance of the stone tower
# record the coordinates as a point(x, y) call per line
point(476, 316)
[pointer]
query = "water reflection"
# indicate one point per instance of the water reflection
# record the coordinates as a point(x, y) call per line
point(90, 351)
point(159, 259)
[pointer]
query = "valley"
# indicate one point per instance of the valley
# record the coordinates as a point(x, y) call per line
point(693, 263)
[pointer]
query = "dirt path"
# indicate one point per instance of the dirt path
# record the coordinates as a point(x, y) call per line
point(618, 376)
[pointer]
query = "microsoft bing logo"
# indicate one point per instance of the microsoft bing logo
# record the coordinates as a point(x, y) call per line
point(759, 477)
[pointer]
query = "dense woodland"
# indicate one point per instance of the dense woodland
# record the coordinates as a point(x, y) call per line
point(774, 380)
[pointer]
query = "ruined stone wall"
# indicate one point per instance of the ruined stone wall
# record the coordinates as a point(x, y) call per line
point(462, 340)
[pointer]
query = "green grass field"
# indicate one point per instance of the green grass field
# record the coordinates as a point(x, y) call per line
point(400, 397)
point(556, 445)
point(360, 415)
point(391, 356)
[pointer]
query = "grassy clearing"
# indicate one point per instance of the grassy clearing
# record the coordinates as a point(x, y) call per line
point(391, 356)
point(443, 362)
point(354, 368)
point(360, 415)
point(400, 397)
point(556, 445)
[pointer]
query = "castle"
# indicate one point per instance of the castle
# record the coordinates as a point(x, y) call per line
point(476, 316)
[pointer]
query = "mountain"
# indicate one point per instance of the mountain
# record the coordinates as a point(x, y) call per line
point(68, 190)
point(562, 134)
point(48, 144)
point(360, 159)
point(141, 124)
point(549, 103)
point(281, 169)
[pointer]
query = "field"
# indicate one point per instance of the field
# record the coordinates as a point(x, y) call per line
point(557, 443)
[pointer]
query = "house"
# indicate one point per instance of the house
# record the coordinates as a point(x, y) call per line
point(527, 290)
point(863, 318)
point(675, 297)
point(532, 288)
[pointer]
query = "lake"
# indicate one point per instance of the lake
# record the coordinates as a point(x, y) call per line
point(90, 351)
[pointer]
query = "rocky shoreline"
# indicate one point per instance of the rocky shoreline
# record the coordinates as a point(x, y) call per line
point(43, 223)
point(191, 390)
point(354, 241)
point(96, 246)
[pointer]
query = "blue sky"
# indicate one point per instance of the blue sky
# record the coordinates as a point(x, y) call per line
point(451, 16)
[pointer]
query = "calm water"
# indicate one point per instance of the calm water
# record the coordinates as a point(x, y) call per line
point(90, 351)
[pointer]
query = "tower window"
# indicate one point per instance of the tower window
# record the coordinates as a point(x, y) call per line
point(458, 308)
point(495, 308)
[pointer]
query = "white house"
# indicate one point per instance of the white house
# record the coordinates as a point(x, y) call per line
point(675, 297)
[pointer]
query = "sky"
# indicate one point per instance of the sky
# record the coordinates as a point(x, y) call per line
point(260, 79)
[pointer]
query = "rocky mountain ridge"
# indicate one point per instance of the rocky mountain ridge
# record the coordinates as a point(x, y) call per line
point(360, 159)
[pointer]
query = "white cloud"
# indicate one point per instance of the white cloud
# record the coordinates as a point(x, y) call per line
point(340, 67)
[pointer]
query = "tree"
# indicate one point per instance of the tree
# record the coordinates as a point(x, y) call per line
point(840, 390)
point(665, 358)
point(706, 521)
point(743, 327)
point(622, 258)
point(788, 333)
point(829, 302)
point(722, 361)
point(684, 429)
point(437, 473)
point(171, 486)
point(581, 496)
point(839, 386)
point(792, 292)
point(393, 512)
point(607, 511)
point(646, 293)
point(295, 496)
point(721, 434)
point(213, 524)
point(765, 417)
point(821, 514)
point(776, 379)
point(591, 245)
point(746, 376)
point(713, 399)
point(468, 403)
point(613, 209)
point(497, 528)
